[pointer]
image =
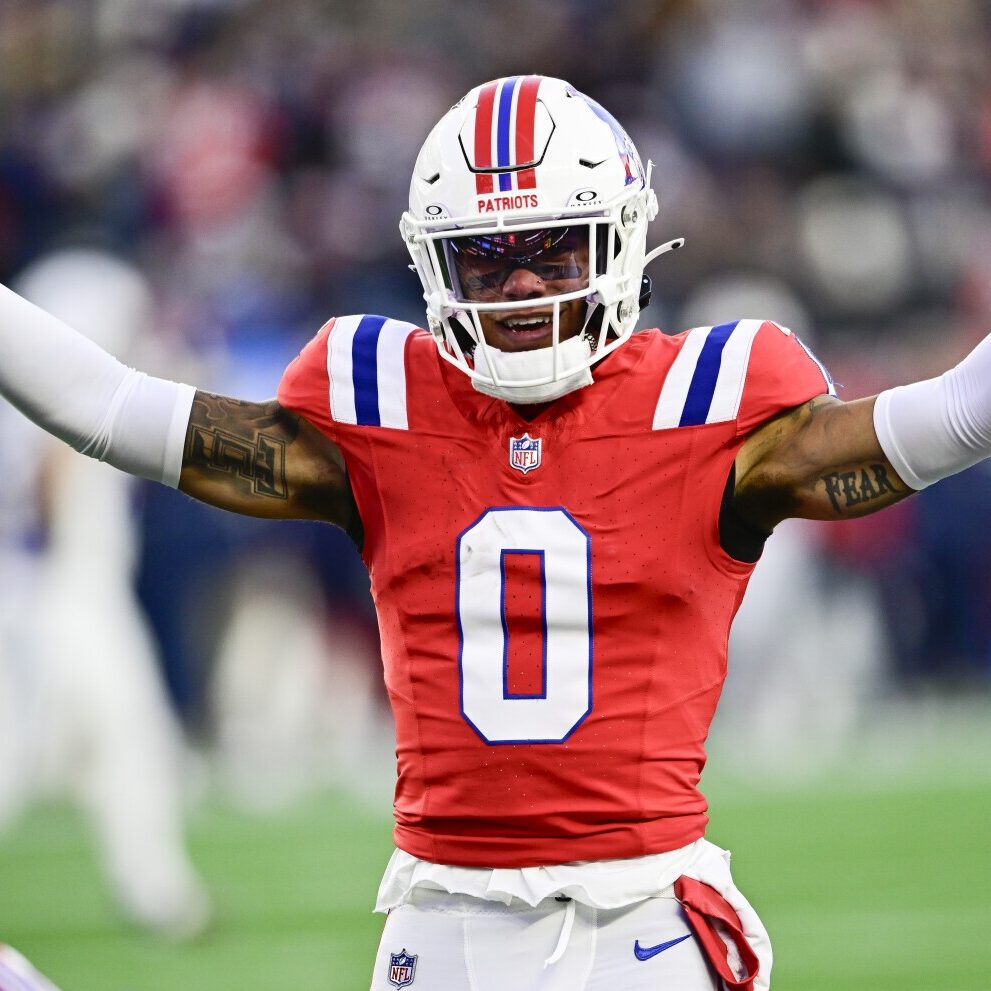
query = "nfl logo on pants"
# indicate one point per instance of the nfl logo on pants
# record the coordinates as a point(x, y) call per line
point(402, 967)
point(524, 453)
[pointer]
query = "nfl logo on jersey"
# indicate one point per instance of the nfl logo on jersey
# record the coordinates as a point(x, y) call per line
point(402, 967)
point(524, 453)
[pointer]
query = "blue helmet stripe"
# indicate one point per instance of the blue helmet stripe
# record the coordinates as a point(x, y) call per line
point(504, 136)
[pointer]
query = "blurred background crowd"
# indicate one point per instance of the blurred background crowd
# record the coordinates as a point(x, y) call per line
point(200, 184)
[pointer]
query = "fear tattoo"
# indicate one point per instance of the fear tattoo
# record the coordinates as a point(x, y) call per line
point(852, 488)
point(256, 454)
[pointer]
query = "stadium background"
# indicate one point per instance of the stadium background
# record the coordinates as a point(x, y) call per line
point(830, 165)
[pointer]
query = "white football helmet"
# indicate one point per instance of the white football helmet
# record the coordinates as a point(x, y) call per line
point(530, 163)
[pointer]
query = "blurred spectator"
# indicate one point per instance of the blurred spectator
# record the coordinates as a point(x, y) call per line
point(88, 715)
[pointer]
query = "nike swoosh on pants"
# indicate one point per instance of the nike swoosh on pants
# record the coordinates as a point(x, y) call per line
point(646, 952)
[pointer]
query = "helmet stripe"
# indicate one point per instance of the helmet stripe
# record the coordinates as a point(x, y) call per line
point(503, 143)
point(483, 137)
point(525, 126)
point(505, 132)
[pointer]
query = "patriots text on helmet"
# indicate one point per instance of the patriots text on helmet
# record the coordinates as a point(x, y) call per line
point(521, 201)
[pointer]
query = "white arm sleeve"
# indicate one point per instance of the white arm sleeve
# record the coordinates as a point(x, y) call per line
point(78, 392)
point(932, 429)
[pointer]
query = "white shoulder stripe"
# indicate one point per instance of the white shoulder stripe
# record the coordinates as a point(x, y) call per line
point(366, 365)
point(733, 372)
point(674, 392)
point(392, 374)
point(340, 371)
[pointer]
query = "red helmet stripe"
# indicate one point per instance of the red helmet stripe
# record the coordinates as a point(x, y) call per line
point(483, 137)
point(526, 109)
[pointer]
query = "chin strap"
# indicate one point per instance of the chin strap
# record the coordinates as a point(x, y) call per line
point(506, 368)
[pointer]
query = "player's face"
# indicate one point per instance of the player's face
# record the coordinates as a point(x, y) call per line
point(529, 266)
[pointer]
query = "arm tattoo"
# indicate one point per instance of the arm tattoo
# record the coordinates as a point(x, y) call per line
point(854, 488)
point(255, 454)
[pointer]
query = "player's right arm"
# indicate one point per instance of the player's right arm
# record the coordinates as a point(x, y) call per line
point(260, 459)
point(253, 458)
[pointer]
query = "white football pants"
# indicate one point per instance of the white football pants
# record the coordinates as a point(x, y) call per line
point(466, 944)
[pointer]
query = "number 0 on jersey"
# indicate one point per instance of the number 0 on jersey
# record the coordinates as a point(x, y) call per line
point(558, 552)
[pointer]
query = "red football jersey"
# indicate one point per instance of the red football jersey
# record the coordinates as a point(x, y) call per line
point(553, 601)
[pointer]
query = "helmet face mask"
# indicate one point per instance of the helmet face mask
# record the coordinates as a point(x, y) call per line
point(527, 172)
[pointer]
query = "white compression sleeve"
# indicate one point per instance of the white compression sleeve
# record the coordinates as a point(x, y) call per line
point(78, 392)
point(935, 428)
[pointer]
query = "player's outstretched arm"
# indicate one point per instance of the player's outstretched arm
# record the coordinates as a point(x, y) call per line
point(833, 460)
point(259, 459)
point(820, 461)
point(250, 458)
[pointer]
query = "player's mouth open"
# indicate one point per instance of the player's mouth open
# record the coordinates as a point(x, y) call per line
point(528, 328)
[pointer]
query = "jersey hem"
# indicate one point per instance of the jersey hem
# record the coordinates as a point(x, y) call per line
point(619, 843)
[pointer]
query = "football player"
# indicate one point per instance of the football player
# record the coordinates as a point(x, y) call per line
point(559, 516)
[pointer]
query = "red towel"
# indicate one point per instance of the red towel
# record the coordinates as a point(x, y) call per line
point(714, 922)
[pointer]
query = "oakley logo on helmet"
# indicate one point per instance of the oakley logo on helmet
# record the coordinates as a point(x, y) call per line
point(585, 198)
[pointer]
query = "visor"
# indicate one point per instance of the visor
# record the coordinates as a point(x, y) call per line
point(480, 265)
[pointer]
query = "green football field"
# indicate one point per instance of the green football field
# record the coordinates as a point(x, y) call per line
point(865, 884)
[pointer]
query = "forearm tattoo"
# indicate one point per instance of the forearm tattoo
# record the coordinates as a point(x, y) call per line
point(255, 454)
point(847, 489)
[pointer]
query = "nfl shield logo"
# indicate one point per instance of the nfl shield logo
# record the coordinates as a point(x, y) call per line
point(402, 967)
point(524, 453)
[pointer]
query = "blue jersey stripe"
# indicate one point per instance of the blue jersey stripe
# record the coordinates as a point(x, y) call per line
point(703, 385)
point(364, 370)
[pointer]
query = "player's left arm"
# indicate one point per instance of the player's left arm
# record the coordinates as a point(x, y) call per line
point(832, 460)
point(820, 461)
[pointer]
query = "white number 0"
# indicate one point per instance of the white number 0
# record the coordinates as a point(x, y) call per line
point(564, 550)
